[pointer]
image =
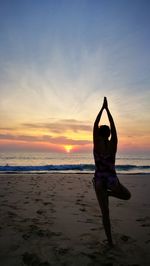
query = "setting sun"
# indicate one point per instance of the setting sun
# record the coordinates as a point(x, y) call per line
point(68, 148)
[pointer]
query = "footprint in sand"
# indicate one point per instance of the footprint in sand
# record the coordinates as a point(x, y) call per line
point(61, 251)
point(40, 212)
point(12, 214)
point(124, 238)
point(26, 236)
point(145, 222)
point(145, 225)
point(32, 259)
point(78, 201)
point(91, 256)
point(82, 209)
point(37, 200)
point(36, 231)
point(89, 221)
point(47, 203)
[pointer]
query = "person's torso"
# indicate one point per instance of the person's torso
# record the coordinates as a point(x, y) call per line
point(104, 156)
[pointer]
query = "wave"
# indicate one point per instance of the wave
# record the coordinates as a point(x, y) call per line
point(72, 167)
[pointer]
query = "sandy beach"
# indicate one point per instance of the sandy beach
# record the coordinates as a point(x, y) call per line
point(54, 219)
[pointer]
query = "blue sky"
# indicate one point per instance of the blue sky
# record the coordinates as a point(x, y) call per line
point(60, 58)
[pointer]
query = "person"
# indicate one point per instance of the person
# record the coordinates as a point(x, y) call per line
point(106, 182)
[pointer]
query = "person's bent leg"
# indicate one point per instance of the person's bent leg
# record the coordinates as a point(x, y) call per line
point(120, 191)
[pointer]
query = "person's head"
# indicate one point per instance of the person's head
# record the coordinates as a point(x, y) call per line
point(104, 131)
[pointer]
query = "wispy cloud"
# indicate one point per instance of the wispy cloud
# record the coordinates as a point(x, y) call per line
point(61, 126)
point(61, 140)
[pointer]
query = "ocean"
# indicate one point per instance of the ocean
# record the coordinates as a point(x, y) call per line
point(69, 162)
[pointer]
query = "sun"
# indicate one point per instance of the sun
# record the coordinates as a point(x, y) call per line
point(68, 148)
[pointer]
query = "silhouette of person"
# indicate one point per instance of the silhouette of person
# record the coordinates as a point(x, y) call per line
point(106, 182)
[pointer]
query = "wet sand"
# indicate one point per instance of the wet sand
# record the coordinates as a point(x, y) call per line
point(54, 219)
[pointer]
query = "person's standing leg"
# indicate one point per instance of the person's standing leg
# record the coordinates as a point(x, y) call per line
point(102, 196)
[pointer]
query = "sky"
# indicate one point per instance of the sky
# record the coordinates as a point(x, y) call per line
point(59, 58)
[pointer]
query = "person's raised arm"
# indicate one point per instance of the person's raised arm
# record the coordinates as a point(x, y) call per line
point(114, 138)
point(97, 120)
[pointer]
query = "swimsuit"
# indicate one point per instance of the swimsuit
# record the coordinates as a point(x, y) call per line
point(105, 170)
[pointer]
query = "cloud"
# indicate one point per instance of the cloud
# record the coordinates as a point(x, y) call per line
point(61, 126)
point(61, 140)
point(64, 140)
point(7, 129)
point(19, 137)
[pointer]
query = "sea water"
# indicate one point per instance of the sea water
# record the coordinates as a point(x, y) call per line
point(69, 162)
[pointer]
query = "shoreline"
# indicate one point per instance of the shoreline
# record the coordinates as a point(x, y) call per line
point(66, 173)
point(56, 220)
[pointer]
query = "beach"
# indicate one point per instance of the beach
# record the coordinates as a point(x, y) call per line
point(54, 219)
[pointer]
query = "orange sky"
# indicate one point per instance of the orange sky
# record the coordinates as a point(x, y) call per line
point(64, 135)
